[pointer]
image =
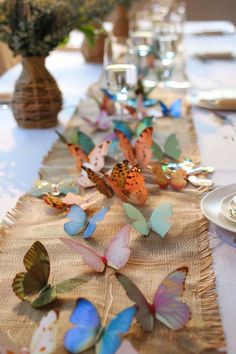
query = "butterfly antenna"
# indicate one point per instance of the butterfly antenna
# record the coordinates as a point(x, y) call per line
point(110, 303)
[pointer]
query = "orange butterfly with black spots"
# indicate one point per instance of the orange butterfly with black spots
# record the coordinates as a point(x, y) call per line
point(126, 183)
point(141, 153)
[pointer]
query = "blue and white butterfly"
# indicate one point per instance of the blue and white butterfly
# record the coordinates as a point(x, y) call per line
point(158, 221)
point(79, 221)
point(173, 111)
point(88, 330)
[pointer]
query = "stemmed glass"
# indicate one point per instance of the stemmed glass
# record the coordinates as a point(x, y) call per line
point(120, 70)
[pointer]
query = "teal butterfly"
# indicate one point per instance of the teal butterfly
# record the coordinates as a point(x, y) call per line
point(171, 148)
point(158, 221)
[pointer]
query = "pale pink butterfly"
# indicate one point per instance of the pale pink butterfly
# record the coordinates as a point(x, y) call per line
point(116, 255)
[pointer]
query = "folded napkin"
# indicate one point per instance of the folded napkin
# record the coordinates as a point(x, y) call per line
point(214, 32)
point(228, 104)
point(215, 55)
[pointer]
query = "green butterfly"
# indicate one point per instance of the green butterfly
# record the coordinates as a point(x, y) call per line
point(171, 148)
point(146, 122)
point(158, 221)
point(78, 138)
point(35, 280)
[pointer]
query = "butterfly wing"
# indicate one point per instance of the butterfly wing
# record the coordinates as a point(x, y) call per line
point(97, 156)
point(67, 186)
point(84, 141)
point(168, 308)
point(78, 154)
point(44, 339)
point(126, 147)
point(120, 172)
point(99, 182)
point(87, 326)
point(165, 110)
point(178, 179)
point(90, 257)
point(135, 187)
point(175, 109)
point(124, 128)
point(78, 220)
point(40, 188)
point(37, 264)
point(126, 348)
point(92, 224)
point(139, 222)
point(7, 346)
point(159, 220)
point(157, 151)
point(118, 252)
point(116, 328)
point(143, 314)
point(146, 122)
point(143, 147)
point(54, 202)
point(171, 147)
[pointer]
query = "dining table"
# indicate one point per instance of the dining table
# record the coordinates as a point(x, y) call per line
point(22, 150)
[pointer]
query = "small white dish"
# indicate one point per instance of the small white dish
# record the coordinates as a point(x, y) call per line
point(225, 207)
point(211, 207)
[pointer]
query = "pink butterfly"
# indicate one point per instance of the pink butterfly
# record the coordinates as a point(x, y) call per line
point(103, 122)
point(44, 339)
point(126, 348)
point(166, 306)
point(116, 254)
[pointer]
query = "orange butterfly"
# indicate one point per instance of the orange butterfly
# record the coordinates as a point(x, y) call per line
point(54, 202)
point(127, 183)
point(96, 158)
point(177, 180)
point(141, 154)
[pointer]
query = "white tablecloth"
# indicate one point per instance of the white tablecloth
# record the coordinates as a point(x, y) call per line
point(21, 151)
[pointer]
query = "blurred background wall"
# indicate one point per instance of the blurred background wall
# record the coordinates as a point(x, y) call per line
point(211, 10)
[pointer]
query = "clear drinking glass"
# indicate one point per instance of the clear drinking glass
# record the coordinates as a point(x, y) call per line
point(142, 42)
point(165, 48)
point(120, 70)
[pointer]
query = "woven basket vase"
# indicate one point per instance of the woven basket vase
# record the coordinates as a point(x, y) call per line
point(37, 99)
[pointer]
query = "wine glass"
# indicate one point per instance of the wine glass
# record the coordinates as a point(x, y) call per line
point(120, 70)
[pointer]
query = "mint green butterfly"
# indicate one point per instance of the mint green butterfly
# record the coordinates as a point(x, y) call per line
point(158, 221)
point(170, 149)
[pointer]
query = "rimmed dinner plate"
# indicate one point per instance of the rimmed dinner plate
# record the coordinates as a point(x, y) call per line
point(225, 208)
point(211, 207)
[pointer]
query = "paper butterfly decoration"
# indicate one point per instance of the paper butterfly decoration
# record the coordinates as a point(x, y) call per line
point(177, 179)
point(128, 184)
point(126, 348)
point(173, 111)
point(71, 199)
point(44, 339)
point(106, 109)
point(116, 255)
point(166, 306)
point(141, 154)
point(54, 188)
point(88, 331)
point(171, 148)
point(79, 221)
point(35, 280)
point(82, 152)
point(158, 221)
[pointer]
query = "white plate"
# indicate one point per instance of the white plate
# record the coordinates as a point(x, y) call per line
point(225, 207)
point(211, 207)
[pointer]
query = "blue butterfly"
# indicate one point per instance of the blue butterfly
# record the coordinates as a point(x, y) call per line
point(88, 331)
point(174, 111)
point(79, 221)
point(108, 94)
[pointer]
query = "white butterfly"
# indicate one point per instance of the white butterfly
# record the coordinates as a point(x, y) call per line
point(43, 340)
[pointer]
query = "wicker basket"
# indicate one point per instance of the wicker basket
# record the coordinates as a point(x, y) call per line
point(121, 22)
point(37, 99)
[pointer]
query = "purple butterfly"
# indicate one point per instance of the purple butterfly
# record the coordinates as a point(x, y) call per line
point(166, 306)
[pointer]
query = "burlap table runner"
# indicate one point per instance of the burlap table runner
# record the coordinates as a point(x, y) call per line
point(186, 244)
